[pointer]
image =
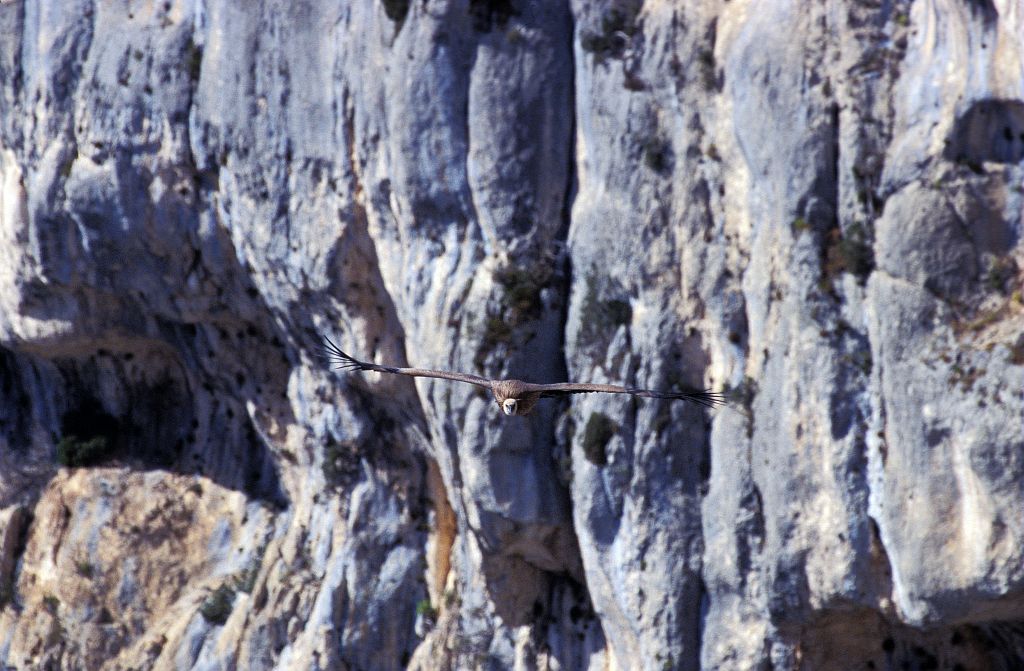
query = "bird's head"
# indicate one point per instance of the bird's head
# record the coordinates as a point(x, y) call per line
point(509, 406)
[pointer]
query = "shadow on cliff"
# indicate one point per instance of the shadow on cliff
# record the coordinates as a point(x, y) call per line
point(168, 360)
point(189, 399)
point(863, 639)
point(990, 130)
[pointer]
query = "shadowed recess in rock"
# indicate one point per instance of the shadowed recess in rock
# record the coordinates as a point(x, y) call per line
point(156, 421)
point(15, 403)
point(990, 130)
point(863, 640)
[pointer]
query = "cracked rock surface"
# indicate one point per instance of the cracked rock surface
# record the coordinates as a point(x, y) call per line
point(815, 207)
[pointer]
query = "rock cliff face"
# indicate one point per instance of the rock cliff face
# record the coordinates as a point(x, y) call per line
point(815, 206)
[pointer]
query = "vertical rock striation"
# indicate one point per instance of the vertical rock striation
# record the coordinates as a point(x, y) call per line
point(816, 207)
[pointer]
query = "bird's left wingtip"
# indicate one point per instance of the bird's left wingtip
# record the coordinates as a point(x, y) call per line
point(335, 355)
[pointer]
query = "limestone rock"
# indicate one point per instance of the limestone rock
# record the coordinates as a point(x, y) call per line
point(816, 208)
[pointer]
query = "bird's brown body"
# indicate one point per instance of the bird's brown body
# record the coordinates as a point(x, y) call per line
point(514, 390)
point(516, 397)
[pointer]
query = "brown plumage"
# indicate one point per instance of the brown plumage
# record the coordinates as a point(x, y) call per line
point(516, 397)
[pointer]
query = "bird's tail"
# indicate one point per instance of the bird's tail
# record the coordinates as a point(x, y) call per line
point(333, 353)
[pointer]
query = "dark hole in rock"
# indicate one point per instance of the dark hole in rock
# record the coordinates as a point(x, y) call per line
point(89, 435)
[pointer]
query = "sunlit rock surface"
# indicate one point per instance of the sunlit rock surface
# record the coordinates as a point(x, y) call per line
point(816, 208)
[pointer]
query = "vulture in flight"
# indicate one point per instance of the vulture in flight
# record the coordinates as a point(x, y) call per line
point(515, 396)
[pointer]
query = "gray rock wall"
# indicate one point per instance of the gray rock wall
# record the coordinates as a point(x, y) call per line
point(815, 207)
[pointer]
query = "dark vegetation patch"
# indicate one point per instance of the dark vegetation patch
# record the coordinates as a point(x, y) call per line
point(600, 429)
point(633, 82)
point(520, 303)
point(1000, 273)
point(977, 321)
point(217, 607)
point(601, 317)
point(51, 604)
point(341, 463)
point(617, 27)
point(85, 569)
point(424, 608)
point(964, 376)
point(245, 580)
point(89, 435)
point(860, 359)
point(489, 14)
point(657, 153)
point(496, 332)
point(848, 251)
point(522, 287)
point(743, 395)
point(866, 178)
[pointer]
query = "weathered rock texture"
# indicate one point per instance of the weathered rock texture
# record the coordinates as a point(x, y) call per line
point(816, 206)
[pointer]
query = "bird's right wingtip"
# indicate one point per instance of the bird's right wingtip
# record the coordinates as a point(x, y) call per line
point(707, 398)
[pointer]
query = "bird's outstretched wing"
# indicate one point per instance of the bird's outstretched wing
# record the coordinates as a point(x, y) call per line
point(334, 354)
point(704, 397)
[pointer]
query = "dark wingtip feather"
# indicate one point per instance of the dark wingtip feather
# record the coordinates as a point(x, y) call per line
point(336, 356)
point(706, 397)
